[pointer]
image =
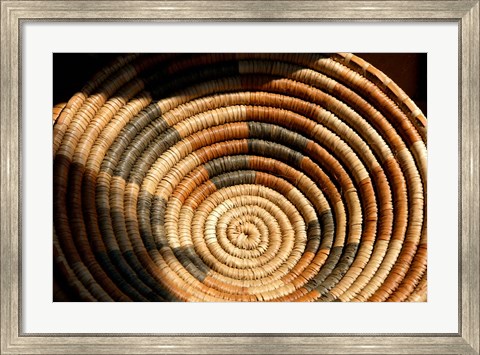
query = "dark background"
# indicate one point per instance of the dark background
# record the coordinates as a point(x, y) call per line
point(409, 70)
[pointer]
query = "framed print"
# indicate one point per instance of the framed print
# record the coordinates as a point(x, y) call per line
point(123, 201)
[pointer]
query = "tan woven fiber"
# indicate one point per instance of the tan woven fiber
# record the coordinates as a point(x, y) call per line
point(240, 177)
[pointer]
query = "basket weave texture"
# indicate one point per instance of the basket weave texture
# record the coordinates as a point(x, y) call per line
point(240, 177)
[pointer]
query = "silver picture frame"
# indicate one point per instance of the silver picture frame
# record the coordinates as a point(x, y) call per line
point(15, 341)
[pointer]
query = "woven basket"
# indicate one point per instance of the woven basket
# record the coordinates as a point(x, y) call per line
point(240, 177)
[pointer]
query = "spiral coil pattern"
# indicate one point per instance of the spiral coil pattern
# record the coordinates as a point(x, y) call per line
point(240, 177)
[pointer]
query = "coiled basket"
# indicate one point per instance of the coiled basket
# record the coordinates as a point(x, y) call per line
point(240, 177)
